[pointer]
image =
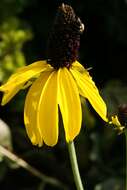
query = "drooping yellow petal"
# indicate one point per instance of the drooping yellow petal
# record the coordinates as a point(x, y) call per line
point(70, 105)
point(10, 93)
point(77, 66)
point(47, 112)
point(88, 89)
point(30, 110)
point(17, 80)
point(25, 73)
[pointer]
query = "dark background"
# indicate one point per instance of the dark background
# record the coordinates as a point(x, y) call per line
point(100, 150)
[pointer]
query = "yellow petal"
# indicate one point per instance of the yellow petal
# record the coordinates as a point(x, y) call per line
point(30, 110)
point(10, 93)
point(17, 80)
point(25, 73)
point(88, 89)
point(47, 112)
point(77, 66)
point(70, 105)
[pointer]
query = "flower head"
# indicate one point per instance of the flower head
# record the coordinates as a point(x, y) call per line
point(64, 40)
point(61, 79)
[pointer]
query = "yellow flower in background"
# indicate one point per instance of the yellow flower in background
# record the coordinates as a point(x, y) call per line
point(115, 120)
point(117, 125)
point(120, 119)
point(60, 80)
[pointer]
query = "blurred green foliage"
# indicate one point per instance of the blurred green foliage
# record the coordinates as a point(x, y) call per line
point(9, 8)
point(12, 39)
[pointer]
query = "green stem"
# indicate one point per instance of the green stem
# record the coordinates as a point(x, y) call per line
point(126, 157)
point(74, 165)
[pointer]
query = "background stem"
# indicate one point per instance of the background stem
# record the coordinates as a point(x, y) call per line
point(126, 159)
point(22, 163)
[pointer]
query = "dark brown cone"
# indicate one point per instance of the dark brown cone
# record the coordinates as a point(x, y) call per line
point(64, 40)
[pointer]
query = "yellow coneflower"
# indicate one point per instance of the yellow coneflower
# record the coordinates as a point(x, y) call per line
point(60, 80)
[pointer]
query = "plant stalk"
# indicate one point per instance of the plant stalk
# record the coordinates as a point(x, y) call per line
point(74, 165)
point(126, 159)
